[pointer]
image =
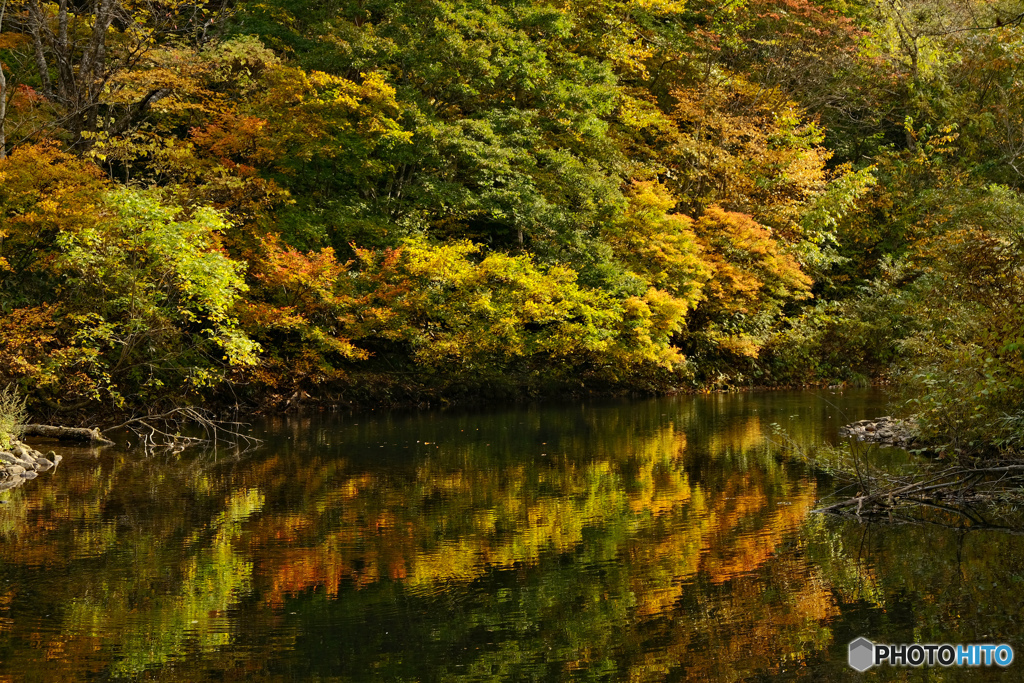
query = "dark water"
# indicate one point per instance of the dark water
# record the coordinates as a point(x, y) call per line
point(645, 541)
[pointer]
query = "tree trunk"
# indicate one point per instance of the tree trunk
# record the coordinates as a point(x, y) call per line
point(38, 27)
point(3, 106)
point(66, 433)
point(3, 96)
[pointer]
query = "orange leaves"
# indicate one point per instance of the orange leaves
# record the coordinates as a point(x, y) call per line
point(749, 265)
point(303, 277)
point(43, 356)
point(25, 97)
point(753, 275)
point(747, 149)
point(232, 136)
point(22, 353)
point(12, 41)
point(44, 192)
point(299, 294)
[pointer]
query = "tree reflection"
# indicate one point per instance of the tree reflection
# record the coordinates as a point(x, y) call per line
point(631, 543)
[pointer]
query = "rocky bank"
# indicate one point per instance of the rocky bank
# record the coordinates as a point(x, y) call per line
point(22, 463)
point(887, 431)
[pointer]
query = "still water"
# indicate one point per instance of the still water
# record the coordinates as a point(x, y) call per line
point(654, 540)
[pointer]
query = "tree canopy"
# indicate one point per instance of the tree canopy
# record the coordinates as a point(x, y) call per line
point(395, 200)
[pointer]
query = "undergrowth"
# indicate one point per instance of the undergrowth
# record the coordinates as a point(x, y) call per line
point(12, 415)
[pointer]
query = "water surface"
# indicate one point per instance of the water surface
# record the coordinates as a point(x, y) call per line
point(654, 540)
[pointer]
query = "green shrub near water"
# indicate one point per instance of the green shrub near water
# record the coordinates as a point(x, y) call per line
point(12, 416)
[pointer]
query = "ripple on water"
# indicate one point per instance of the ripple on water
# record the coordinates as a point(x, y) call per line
point(646, 540)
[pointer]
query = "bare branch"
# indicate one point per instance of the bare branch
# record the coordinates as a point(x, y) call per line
point(163, 431)
point(956, 480)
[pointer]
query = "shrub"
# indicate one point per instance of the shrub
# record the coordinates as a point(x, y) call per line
point(12, 416)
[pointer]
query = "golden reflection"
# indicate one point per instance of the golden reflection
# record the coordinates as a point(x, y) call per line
point(448, 525)
point(630, 547)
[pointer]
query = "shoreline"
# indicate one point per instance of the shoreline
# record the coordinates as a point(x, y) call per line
point(23, 463)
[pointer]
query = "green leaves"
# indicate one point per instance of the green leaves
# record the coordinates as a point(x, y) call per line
point(160, 289)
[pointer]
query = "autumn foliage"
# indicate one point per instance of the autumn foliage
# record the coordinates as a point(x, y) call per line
point(389, 201)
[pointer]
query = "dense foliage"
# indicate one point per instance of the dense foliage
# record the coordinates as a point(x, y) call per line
point(368, 200)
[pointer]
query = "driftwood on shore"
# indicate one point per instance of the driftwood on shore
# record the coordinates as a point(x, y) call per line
point(155, 431)
point(66, 433)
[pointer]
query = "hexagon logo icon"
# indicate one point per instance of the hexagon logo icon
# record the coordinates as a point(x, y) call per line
point(862, 654)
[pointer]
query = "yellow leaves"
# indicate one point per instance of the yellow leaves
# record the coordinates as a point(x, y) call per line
point(750, 266)
point(741, 345)
point(13, 41)
point(668, 312)
point(659, 246)
point(481, 314)
point(662, 6)
point(445, 263)
point(638, 114)
point(333, 89)
point(746, 149)
point(48, 206)
point(44, 192)
point(318, 115)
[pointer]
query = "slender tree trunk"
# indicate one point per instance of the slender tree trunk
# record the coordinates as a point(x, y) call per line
point(90, 71)
point(3, 94)
point(65, 71)
point(3, 112)
point(38, 28)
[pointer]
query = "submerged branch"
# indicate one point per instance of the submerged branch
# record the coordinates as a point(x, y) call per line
point(954, 480)
point(163, 430)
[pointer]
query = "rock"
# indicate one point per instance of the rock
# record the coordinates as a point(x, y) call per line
point(15, 470)
point(29, 475)
point(8, 458)
point(886, 430)
point(55, 458)
point(43, 464)
point(18, 450)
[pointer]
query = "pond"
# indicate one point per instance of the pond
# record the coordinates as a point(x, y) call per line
point(645, 540)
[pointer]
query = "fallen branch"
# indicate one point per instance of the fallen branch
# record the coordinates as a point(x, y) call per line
point(955, 479)
point(163, 431)
point(974, 525)
point(66, 433)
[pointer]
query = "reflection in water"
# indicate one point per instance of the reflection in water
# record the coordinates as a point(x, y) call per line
point(654, 540)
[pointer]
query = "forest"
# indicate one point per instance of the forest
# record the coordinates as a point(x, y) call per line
point(392, 202)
